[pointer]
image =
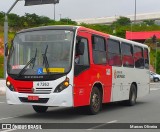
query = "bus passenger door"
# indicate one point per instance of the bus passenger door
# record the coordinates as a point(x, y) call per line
point(82, 73)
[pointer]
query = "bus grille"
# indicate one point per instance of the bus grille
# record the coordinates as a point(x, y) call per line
point(41, 100)
point(35, 90)
point(43, 90)
point(24, 90)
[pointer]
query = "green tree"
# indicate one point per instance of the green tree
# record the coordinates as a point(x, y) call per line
point(1, 18)
point(122, 21)
point(44, 20)
point(14, 21)
point(149, 22)
point(158, 62)
point(68, 21)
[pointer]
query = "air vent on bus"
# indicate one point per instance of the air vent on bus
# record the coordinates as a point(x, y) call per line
point(43, 90)
point(24, 90)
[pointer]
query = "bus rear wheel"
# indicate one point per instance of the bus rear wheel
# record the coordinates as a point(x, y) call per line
point(40, 109)
point(95, 101)
point(132, 96)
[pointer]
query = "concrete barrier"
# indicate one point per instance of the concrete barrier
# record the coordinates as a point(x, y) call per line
point(2, 86)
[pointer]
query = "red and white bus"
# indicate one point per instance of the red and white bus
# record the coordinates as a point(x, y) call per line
point(73, 66)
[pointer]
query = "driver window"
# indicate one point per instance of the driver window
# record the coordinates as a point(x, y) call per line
point(82, 59)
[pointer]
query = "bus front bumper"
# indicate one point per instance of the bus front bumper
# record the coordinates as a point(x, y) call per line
point(64, 98)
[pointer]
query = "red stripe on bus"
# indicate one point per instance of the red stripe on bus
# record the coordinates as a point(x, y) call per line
point(21, 86)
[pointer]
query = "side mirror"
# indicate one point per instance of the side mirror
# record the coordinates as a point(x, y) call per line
point(80, 48)
point(6, 49)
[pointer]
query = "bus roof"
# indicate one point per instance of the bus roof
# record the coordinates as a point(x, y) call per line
point(81, 28)
point(73, 28)
point(112, 37)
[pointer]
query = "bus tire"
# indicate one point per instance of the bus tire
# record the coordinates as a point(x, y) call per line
point(95, 101)
point(132, 96)
point(40, 109)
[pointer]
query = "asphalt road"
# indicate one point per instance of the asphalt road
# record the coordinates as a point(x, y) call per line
point(147, 110)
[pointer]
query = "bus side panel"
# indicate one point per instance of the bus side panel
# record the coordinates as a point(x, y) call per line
point(107, 81)
point(82, 88)
point(103, 75)
point(84, 83)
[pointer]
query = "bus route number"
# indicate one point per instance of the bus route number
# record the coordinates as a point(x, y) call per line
point(42, 84)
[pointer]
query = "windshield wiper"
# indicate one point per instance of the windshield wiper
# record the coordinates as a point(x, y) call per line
point(45, 60)
point(32, 61)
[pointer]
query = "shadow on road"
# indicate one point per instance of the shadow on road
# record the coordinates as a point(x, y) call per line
point(116, 106)
point(73, 113)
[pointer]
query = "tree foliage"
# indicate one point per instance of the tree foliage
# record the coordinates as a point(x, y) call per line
point(17, 22)
point(122, 21)
point(68, 21)
point(1, 18)
point(149, 22)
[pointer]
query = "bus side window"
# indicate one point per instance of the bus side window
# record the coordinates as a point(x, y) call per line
point(99, 50)
point(127, 55)
point(138, 57)
point(146, 58)
point(114, 53)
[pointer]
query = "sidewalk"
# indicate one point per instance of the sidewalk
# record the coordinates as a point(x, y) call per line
point(2, 87)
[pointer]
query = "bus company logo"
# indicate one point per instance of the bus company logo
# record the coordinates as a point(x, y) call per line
point(33, 77)
point(115, 74)
point(120, 74)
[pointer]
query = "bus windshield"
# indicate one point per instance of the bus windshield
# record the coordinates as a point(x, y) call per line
point(41, 53)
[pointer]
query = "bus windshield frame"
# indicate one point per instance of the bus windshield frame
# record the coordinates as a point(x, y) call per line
point(41, 55)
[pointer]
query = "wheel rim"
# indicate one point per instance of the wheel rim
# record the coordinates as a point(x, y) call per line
point(95, 101)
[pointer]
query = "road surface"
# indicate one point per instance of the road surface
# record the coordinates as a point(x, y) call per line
point(147, 110)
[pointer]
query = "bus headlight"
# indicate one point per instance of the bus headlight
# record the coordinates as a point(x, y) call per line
point(9, 85)
point(62, 86)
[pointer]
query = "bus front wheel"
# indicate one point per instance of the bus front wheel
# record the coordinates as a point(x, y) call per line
point(95, 101)
point(40, 109)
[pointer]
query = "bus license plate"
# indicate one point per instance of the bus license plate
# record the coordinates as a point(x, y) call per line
point(33, 98)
